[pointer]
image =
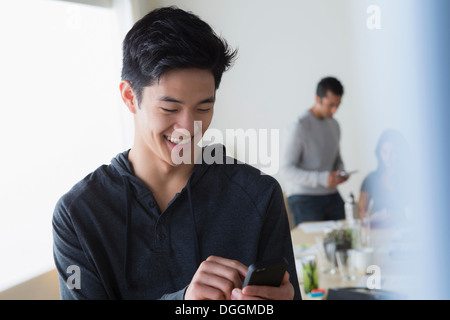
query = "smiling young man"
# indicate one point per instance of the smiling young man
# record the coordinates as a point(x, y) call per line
point(312, 159)
point(149, 227)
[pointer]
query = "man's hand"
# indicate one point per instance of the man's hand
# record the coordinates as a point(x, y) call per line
point(284, 292)
point(334, 179)
point(215, 279)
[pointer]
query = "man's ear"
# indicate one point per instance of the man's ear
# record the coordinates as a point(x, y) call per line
point(128, 96)
point(318, 99)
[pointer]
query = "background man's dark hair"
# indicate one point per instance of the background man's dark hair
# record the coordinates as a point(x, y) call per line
point(170, 38)
point(329, 84)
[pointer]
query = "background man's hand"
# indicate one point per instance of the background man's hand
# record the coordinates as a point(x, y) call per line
point(334, 179)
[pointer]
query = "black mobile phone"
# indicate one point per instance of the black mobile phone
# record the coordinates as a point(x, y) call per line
point(266, 273)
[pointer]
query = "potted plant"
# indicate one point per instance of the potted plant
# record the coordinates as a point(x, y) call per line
point(310, 276)
point(337, 239)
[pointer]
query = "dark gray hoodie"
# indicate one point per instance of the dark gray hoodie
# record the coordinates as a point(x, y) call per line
point(111, 228)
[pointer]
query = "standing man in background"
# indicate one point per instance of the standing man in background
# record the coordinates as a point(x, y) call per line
point(311, 160)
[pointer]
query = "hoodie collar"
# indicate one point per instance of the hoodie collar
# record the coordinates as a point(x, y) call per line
point(123, 166)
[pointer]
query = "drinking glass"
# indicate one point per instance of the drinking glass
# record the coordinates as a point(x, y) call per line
point(325, 255)
point(346, 264)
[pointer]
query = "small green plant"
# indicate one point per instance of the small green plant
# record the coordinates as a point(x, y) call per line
point(310, 277)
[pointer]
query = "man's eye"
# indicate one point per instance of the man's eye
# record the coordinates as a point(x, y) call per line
point(168, 110)
point(204, 110)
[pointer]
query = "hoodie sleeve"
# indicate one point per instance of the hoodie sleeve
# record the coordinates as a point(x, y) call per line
point(276, 236)
point(179, 295)
point(77, 277)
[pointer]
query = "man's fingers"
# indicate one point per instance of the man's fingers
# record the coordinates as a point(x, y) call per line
point(213, 280)
point(200, 291)
point(223, 271)
point(285, 278)
point(262, 292)
point(237, 294)
point(241, 268)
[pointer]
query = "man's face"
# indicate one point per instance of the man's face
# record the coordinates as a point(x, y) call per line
point(169, 108)
point(327, 106)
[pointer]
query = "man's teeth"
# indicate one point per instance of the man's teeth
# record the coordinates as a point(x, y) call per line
point(178, 141)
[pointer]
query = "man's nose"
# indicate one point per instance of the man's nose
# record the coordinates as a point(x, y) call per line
point(185, 121)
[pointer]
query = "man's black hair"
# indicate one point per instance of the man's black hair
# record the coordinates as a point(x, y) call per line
point(170, 38)
point(329, 84)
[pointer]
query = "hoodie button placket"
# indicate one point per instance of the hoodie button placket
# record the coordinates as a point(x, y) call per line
point(161, 236)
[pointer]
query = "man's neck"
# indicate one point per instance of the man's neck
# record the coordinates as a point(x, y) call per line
point(156, 173)
point(315, 113)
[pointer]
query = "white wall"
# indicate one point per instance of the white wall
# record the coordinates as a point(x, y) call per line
point(60, 119)
point(285, 48)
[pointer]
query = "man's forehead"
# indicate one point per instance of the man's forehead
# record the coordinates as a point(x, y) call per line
point(331, 95)
point(184, 78)
point(333, 98)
